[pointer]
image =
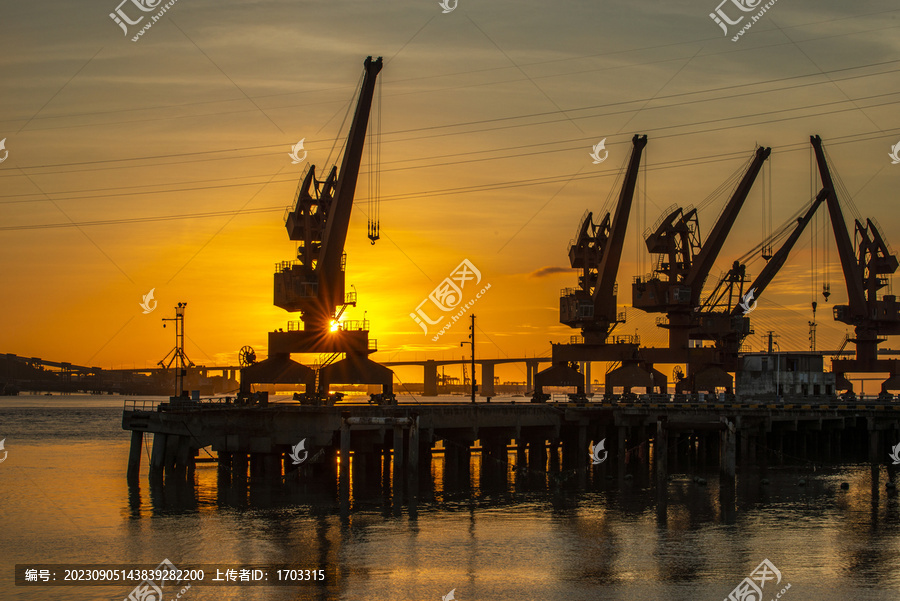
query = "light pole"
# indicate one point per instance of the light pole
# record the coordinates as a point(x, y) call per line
point(472, 342)
point(777, 372)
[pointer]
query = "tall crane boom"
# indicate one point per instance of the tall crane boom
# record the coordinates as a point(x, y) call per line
point(314, 283)
point(780, 257)
point(852, 276)
point(338, 220)
point(612, 253)
point(709, 252)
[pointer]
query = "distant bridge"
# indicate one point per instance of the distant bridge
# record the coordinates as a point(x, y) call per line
point(486, 388)
point(35, 373)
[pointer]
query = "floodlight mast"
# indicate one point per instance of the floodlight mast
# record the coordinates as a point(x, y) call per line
point(177, 354)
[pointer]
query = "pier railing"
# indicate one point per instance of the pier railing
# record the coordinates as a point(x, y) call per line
point(151, 406)
point(140, 405)
point(707, 399)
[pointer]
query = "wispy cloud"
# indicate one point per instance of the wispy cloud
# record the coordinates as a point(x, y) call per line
point(548, 271)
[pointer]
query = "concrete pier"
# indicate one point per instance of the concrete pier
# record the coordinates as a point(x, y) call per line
point(392, 446)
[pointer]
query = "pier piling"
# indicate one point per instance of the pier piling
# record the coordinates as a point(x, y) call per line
point(874, 440)
point(413, 474)
point(223, 466)
point(239, 465)
point(134, 454)
point(553, 446)
point(537, 454)
point(661, 454)
point(521, 454)
point(728, 450)
point(158, 454)
point(398, 462)
point(345, 459)
point(169, 454)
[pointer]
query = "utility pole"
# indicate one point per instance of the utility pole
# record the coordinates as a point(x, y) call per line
point(777, 372)
point(772, 336)
point(472, 342)
point(772, 344)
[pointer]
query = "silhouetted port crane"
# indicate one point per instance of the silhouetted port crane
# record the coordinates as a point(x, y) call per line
point(723, 318)
point(597, 252)
point(314, 285)
point(683, 263)
point(675, 288)
point(864, 269)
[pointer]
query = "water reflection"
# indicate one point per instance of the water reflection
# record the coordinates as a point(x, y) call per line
point(526, 525)
point(540, 531)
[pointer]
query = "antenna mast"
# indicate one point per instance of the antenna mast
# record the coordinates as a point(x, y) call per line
point(177, 354)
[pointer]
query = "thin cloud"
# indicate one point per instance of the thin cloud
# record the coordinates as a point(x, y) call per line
point(547, 271)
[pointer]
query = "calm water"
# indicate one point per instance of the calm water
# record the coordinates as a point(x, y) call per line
point(64, 498)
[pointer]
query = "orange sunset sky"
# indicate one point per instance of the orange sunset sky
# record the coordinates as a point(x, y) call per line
point(163, 163)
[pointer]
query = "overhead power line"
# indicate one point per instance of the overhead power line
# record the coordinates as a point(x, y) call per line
point(411, 195)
